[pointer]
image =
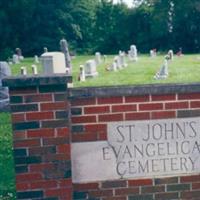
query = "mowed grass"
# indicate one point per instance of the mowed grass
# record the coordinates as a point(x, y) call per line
point(7, 183)
point(184, 69)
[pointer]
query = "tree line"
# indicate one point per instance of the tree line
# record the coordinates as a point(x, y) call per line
point(98, 25)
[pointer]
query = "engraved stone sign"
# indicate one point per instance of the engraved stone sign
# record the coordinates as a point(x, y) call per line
point(140, 149)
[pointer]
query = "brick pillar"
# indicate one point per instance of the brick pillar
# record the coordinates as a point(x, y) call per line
point(41, 136)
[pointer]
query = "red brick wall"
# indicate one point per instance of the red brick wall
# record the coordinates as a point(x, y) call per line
point(47, 117)
point(89, 123)
point(41, 137)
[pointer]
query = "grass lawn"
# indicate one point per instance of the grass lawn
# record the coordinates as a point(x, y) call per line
point(183, 69)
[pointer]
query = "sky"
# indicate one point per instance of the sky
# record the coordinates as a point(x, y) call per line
point(128, 2)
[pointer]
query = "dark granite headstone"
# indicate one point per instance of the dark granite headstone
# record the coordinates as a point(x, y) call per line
point(4, 96)
point(64, 48)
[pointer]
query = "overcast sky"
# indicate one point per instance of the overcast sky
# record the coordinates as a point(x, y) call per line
point(128, 2)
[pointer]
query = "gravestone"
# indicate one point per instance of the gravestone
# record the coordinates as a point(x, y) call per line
point(82, 73)
point(23, 71)
point(64, 48)
point(122, 59)
point(132, 53)
point(53, 63)
point(153, 53)
point(19, 53)
point(171, 54)
point(117, 60)
point(36, 59)
point(90, 68)
point(4, 96)
point(34, 69)
point(15, 59)
point(98, 58)
point(163, 72)
point(45, 50)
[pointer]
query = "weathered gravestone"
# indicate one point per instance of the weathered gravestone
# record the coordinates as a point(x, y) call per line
point(132, 53)
point(4, 97)
point(15, 59)
point(90, 68)
point(53, 63)
point(64, 48)
point(171, 54)
point(36, 59)
point(81, 73)
point(163, 72)
point(98, 58)
point(122, 59)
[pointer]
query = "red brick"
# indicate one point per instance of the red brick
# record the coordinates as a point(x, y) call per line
point(110, 100)
point(196, 186)
point(38, 98)
point(84, 119)
point(163, 114)
point(64, 148)
point(19, 135)
point(44, 150)
point(28, 177)
point(41, 167)
point(96, 109)
point(101, 193)
point(124, 108)
point(55, 141)
point(137, 116)
point(110, 117)
point(85, 187)
point(166, 97)
point(41, 133)
point(151, 106)
point(177, 105)
point(63, 132)
point(56, 157)
point(95, 127)
point(194, 178)
point(27, 143)
point(18, 117)
point(85, 101)
point(140, 182)
point(53, 106)
point(127, 191)
point(189, 96)
point(195, 104)
point(65, 183)
point(43, 184)
point(84, 137)
point(137, 99)
point(60, 192)
point(39, 115)
point(22, 186)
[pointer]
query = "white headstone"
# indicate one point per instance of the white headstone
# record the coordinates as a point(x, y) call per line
point(133, 53)
point(98, 58)
point(122, 59)
point(53, 63)
point(15, 59)
point(117, 60)
point(82, 73)
point(36, 59)
point(34, 69)
point(171, 54)
point(163, 72)
point(90, 68)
